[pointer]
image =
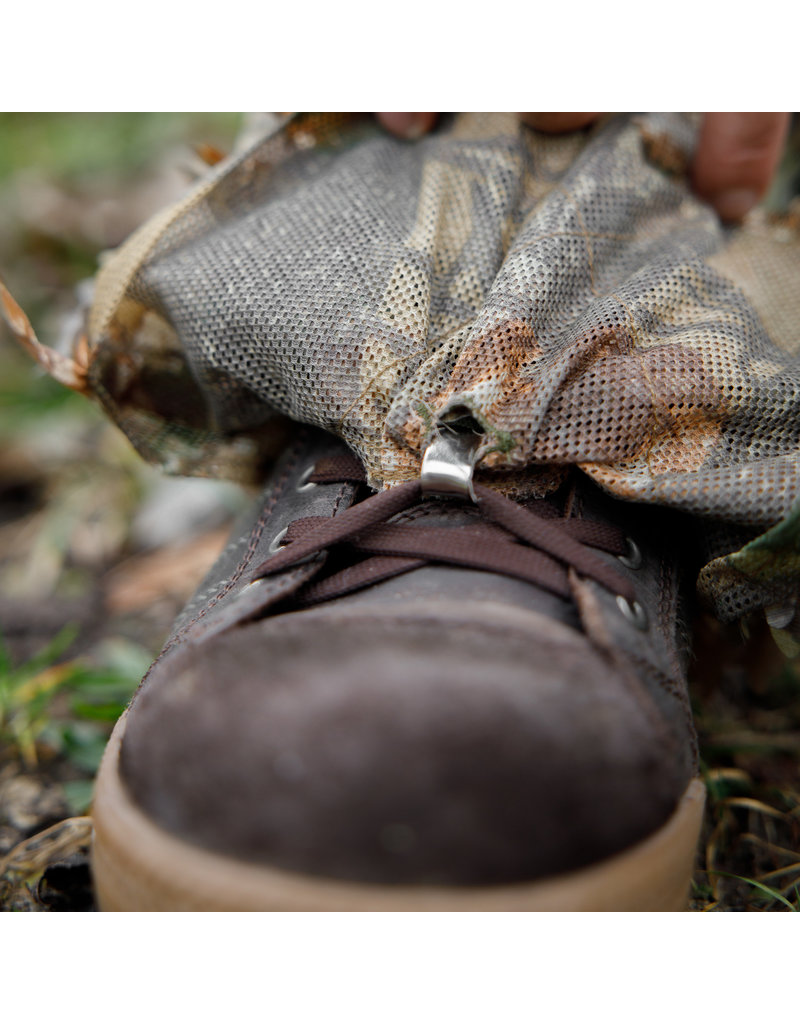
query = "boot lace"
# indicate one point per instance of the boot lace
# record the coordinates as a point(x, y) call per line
point(534, 541)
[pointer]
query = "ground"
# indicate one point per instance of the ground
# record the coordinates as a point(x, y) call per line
point(98, 552)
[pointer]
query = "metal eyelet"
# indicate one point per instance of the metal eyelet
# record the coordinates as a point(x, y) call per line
point(304, 484)
point(277, 541)
point(632, 559)
point(634, 613)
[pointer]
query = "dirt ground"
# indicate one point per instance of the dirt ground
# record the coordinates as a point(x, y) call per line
point(98, 552)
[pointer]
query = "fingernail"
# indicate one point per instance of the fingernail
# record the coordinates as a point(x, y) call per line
point(735, 203)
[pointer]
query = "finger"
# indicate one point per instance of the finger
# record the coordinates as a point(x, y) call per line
point(736, 158)
point(557, 123)
point(407, 126)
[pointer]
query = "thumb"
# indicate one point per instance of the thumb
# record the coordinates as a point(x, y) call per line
point(736, 157)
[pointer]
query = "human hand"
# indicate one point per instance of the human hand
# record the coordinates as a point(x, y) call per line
point(736, 156)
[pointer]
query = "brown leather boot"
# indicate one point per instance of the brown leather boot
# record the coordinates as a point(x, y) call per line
point(434, 697)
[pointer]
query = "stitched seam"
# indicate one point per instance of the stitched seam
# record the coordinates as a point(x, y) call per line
point(593, 617)
point(255, 537)
point(678, 691)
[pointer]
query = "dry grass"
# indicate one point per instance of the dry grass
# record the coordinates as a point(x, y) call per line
point(747, 710)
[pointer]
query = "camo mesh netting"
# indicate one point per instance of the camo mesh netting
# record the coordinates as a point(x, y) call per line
point(569, 293)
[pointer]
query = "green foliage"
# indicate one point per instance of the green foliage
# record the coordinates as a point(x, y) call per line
point(66, 706)
point(69, 145)
point(767, 890)
point(35, 401)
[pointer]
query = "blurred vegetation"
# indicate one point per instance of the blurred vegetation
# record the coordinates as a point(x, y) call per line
point(72, 146)
point(82, 612)
point(72, 185)
point(93, 693)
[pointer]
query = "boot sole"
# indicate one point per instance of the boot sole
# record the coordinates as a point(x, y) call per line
point(138, 866)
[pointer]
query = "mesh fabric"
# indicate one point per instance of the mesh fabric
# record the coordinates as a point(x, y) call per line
point(569, 293)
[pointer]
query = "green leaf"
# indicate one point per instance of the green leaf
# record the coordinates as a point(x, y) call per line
point(50, 653)
point(773, 893)
point(109, 712)
point(78, 795)
point(5, 658)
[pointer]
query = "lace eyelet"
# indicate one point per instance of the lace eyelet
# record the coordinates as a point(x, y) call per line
point(304, 484)
point(632, 559)
point(277, 541)
point(634, 613)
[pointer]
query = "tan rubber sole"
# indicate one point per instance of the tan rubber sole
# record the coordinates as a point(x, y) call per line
point(138, 866)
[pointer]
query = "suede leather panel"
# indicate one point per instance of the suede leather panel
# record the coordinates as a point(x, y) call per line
point(401, 751)
point(225, 598)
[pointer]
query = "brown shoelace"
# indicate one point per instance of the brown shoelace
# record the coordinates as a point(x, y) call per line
point(532, 543)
